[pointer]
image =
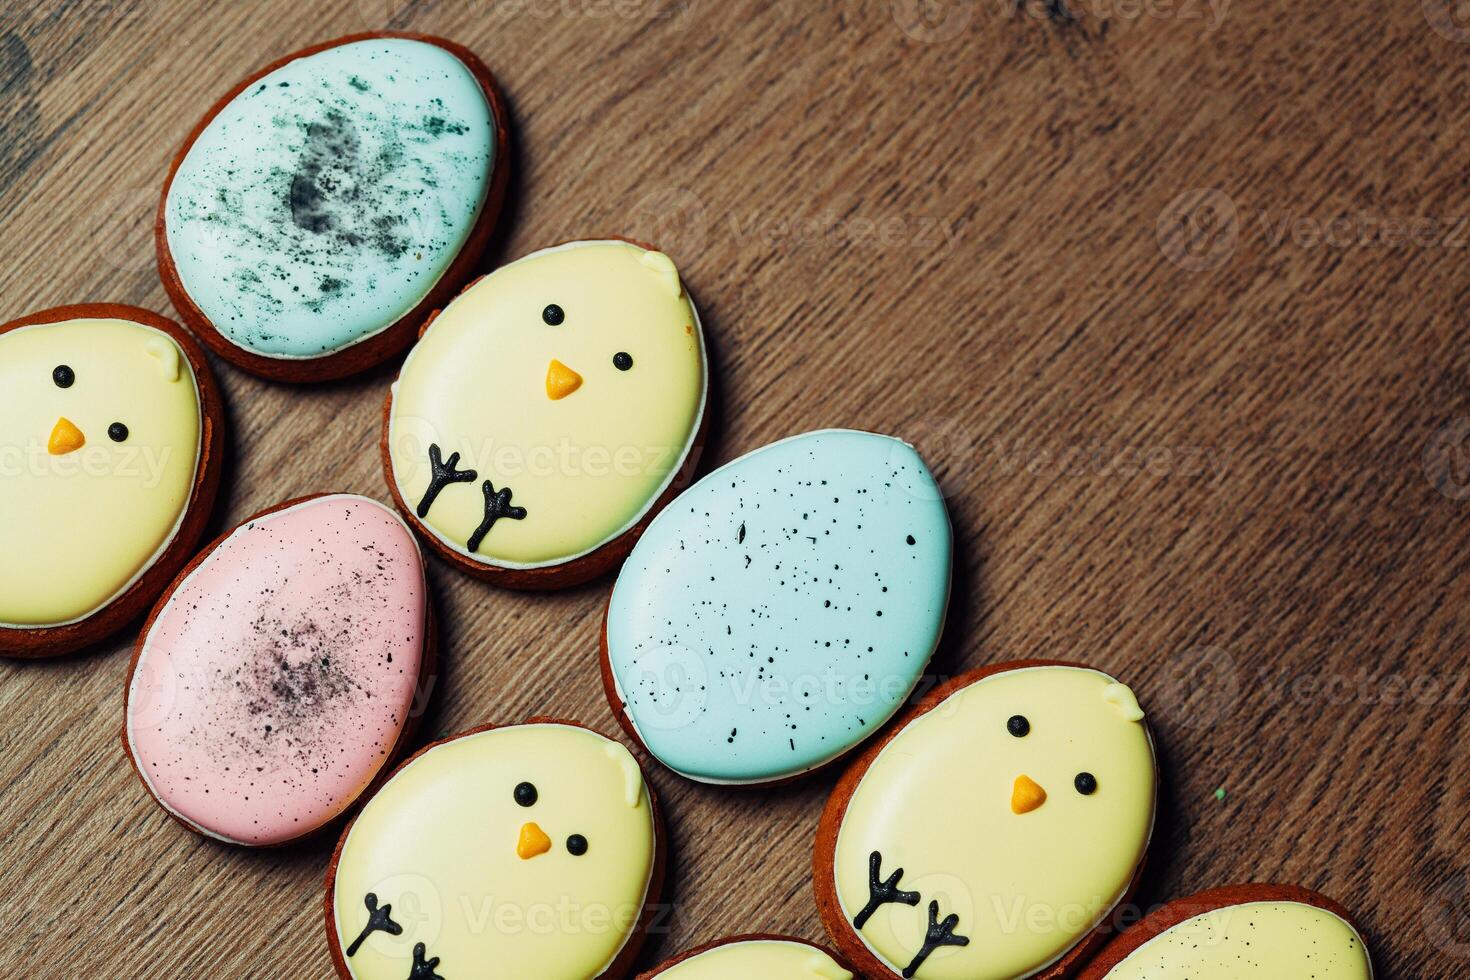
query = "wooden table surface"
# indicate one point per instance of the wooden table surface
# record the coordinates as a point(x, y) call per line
point(1169, 292)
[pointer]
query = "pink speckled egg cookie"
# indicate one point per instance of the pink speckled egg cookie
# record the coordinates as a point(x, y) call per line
point(282, 671)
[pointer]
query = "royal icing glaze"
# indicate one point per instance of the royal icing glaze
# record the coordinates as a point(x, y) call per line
point(326, 200)
point(547, 408)
point(781, 610)
point(775, 958)
point(997, 829)
point(99, 450)
point(1276, 940)
point(529, 847)
point(273, 685)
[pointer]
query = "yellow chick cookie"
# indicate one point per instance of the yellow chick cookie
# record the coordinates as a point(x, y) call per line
point(993, 831)
point(514, 852)
point(99, 451)
point(547, 409)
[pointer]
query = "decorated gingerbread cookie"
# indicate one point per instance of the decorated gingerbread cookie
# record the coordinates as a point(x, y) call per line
point(326, 204)
point(990, 833)
point(282, 671)
point(534, 850)
point(744, 957)
point(547, 412)
point(1241, 932)
point(110, 447)
point(780, 610)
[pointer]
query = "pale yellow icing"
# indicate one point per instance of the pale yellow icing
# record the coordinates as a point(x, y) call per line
point(937, 802)
point(1266, 940)
point(772, 959)
point(80, 521)
point(542, 409)
point(439, 843)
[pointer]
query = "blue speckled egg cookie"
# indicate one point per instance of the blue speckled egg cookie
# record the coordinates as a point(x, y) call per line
point(326, 205)
point(781, 609)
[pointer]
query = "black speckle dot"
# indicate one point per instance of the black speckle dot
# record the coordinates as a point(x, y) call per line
point(64, 376)
point(910, 539)
point(554, 315)
point(525, 794)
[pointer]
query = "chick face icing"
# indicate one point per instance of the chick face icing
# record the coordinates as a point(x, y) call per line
point(99, 448)
point(765, 956)
point(994, 831)
point(547, 408)
point(525, 851)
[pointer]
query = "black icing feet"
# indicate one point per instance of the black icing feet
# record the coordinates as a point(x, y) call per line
point(881, 893)
point(379, 920)
point(497, 505)
point(938, 934)
point(424, 970)
point(441, 475)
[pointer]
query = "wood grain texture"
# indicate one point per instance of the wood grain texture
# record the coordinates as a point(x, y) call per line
point(1195, 432)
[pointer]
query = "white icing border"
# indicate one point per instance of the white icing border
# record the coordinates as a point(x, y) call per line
point(189, 502)
point(173, 595)
point(1242, 905)
point(493, 163)
point(1082, 937)
point(674, 470)
point(897, 704)
point(637, 927)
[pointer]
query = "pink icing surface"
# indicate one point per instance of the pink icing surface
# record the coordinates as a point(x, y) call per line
point(274, 684)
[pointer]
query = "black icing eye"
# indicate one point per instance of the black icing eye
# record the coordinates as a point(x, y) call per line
point(1086, 783)
point(622, 360)
point(1018, 726)
point(117, 432)
point(576, 845)
point(64, 376)
point(525, 794)
point(553, 315)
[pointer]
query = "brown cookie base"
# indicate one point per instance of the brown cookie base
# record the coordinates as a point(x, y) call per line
point(669, 964)
point(398, 337)
point(824, 881)
point(1181, 909)
point(577, 571)
point(52, 641)
point(425, 682)
point(623, 963)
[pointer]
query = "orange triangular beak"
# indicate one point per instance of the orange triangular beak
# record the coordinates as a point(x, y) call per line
point(65, 438)
point(1026, 795)
point(533, 842)
point(561, 380)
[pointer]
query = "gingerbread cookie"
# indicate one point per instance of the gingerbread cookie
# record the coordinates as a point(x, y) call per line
point(991, 832)
point(547, 412)
point(110, 448)
point(325, 205)
point(782, 609)
point(534, 848)
point(282, 671)
point(742, 957)
point(1241, 932)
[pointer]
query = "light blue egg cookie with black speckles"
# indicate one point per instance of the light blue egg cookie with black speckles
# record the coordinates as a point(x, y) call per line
point(778, 612)
point(325, 206)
